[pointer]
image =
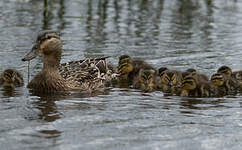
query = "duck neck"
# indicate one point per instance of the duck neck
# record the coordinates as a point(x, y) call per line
point(52, 62)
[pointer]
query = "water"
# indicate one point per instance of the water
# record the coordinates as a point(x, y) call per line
point(178, 34)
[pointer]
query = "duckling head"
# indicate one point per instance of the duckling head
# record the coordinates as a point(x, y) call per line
point(188, 83)
point(11, 78)
point(161, 71)
point(218, 79)
point(125, 65)
point(147, 79)
point(49, 44)
point(191, 70)
point(225, 70)
point(170, 78)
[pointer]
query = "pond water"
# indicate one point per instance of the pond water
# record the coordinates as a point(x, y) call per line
point(178, 34)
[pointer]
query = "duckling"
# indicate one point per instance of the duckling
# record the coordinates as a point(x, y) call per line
point(227, 71)
point(83, 75)
point(225, 85)
point(145, 80)
point(198, 76)
point(128, 68)
point(192, 87)
point(238, 76)
point(11, 78)
point(234, 75)
point(169, 81)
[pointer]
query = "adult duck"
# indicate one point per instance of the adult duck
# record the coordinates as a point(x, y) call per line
point(89, 74)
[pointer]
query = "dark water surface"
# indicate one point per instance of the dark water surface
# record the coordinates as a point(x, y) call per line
point(179, 34)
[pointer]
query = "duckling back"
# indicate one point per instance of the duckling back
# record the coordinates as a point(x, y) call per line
point(199, 76)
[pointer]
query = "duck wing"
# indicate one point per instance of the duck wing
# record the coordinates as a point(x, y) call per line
point(89, 70)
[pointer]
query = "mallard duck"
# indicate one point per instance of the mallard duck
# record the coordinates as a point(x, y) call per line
point(128, 68)
point(235, 75)
point(76, 75)
point(238, 76)
point(226, 85)
point(197, 75)
point(192, 87)
point(145, 80)
point(169, 81)
point(227, 71)
point(11, 78)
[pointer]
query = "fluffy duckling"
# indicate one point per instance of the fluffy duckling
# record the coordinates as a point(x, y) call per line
point(169, 81)
point(11, 78)
point(128, 68)
point(238, 76)
point(145, 80)
point(227, 71)
point(225, 84)
point(235, 75)
point(192, 87)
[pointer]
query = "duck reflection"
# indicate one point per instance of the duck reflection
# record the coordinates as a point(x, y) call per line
point(47, 107)
point(46, 104)
point(11, 92)
point(96, 28)
point(183, 19)
point(188, 105)
point(47, 14)
point(61, 12)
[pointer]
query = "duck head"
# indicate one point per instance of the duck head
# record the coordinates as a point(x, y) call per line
point(49, 44)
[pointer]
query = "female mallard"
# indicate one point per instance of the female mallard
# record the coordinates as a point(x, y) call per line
point(89, 74)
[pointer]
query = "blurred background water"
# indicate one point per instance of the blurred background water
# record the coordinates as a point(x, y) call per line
point(178, 34)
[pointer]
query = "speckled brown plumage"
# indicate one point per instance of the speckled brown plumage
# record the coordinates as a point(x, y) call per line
point(88, 74)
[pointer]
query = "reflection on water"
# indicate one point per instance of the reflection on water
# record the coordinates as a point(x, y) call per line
point(178, 34)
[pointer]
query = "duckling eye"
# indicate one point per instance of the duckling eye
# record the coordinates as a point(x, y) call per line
point(161, 74)
point(238, 76)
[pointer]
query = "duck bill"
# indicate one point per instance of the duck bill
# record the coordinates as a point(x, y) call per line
point(33, 53)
